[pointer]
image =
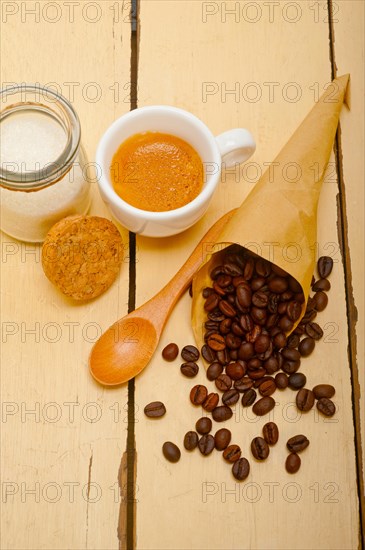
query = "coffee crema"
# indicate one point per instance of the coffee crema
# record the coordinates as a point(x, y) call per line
point(157, 172)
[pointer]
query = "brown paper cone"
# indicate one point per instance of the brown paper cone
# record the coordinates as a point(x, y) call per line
point(278, 219)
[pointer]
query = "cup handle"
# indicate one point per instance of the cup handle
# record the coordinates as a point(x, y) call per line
point(236, 146)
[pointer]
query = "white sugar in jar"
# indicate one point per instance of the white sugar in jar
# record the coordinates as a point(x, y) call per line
point(42, 164)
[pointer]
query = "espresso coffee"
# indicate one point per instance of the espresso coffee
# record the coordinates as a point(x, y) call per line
point(157, 172)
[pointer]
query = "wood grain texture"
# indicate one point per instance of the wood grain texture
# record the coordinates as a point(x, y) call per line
point(196, 503)
point(69, 451)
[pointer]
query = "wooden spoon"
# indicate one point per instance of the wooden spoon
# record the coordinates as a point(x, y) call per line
point(126, 348)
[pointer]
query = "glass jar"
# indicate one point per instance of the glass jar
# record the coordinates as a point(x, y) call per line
point(43, 167)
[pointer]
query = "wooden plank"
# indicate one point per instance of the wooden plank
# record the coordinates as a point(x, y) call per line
point(195, 503)
point(70, 449)
point(349, 56)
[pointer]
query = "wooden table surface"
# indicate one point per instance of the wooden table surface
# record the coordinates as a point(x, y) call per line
point(81, 467)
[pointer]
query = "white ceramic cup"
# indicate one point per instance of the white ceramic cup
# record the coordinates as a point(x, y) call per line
point(231, 147)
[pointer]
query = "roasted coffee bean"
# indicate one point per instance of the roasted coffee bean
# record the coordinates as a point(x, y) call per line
point(299, 330)
point(271, 365)
point(225, 326)
point(218, 289)
point(223, 356)
point(211, 325)
point(290, 366)
point(222, 439)
point(232, 269)
point(282, 307)
point(210, 402)
point(246, 351)
point(223, 382)
point(278, 285)
point(207, 291)
point(218, 270)
point(297, 443)
point(273, 303)
point(297, 381)
point(292, 463)
point(249, 268)
point(281, 380)
point(189, 369)
point(294, 285)
point(206, 444)
point(321, 300)
point(170, 352)
point(208, 354)
point(290, 354)
point(324, 266)
point(321, 284)
point(258, 315)
point(270, 432)
point(326, 406)
point(191, 440)
point(198, 394)
point(233, 354)
point(216, 342)
point(230, 397)
point(222, 413)
point(267, 388)
point(244, 294)
point(203, 425)
point(314, 331)
point(253, 334)
point(216, 315)
point(263, 267)
point(305, 399)
point(226, 308)
point(237, 329)
point(306, 346)
point(211, 302)
point(233, 341)
point(171, 451)
point(224, 280)
point(241, 469)
point(260, 448)
point(309, 317)
point(260, 299)
point(244, 384)
point(258, 283)
point(190, 353)
point(156, 409)
point(256, 374)
point(232, 453)
point(280, 340)
point(285, 324)
point(262, 343)
point(263, 406)
point(294, 310)
point(214, 370)
point(271, 322)
point(235, 371)
point(246, 322)
point(293, 341)
point(248, 397)
point(323, 390)
point(260, 381)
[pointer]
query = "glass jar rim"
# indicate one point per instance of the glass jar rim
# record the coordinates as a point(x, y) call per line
point(66, 117)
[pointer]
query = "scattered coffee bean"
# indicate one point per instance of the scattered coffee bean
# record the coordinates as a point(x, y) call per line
point(248, 397)
point(171, 451)
point(326, 406)
point(324, 266)
point(292, 463)
point(214, 370)
point(216, 342)
point(191, 440)
point(297, 381)
point(263, 406)
point(260, 448)
point(189, 369)
point(297, 443)
point(244, 384)
point(223, 382)
point(293, 341)
point(236, 371)
point(323, 390)
point(208, 354)
point(267, 388)
point(321, 300)
point(222, 413)
point(198, 394)
point(321, 284)
point(241, 469)
point(281, 380)
point(230, 397)
point(314, 331)
point(306, 346)
point(210, 402)
point(206, 444)
point(270, 432)
point(190, 354)
point(170, 352)
point(203, 425)
point(222, 439)
point(232, 453)
point(156, 409)
point(305, 399)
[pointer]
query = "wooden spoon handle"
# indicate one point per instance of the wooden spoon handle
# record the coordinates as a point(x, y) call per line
point(162, 303)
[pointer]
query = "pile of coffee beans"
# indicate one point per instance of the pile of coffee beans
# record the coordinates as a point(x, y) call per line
point(250, 308)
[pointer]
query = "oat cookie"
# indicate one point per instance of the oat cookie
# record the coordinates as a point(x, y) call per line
point(82, 256)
